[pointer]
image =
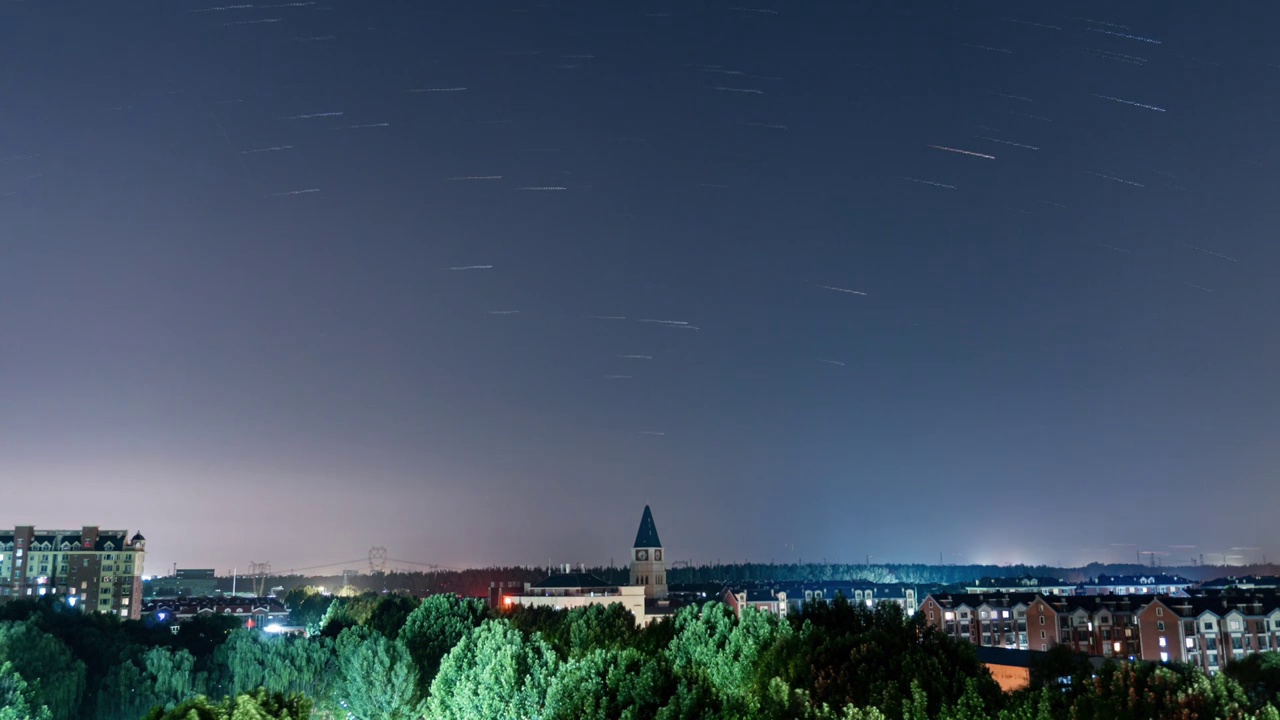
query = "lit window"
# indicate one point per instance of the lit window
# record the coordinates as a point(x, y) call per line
point(1164, 657)
point(1004, 613)
point(1235, 624)
point(949, 615)
point(1163, 642)
point(1115, 646)
point(1191, 642)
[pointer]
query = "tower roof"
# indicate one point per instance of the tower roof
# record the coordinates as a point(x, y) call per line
point(647, 535)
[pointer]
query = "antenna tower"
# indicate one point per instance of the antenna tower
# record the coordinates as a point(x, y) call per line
point(258, 572)
point(377, 560)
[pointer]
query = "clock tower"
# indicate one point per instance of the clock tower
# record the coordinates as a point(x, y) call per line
point(648, 568)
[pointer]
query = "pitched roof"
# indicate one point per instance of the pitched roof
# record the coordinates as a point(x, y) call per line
point(647, 535)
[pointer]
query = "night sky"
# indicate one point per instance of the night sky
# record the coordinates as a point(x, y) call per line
point(231, 314)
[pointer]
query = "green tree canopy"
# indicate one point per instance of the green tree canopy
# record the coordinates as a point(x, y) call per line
point(307, 606)
point(434, 628)
point(1259, 675)
point(493, 672)
point(159, 677)
point(259, 705)
point(376, 679)
point(16, 697)
point(55, 679)
point(609, 684)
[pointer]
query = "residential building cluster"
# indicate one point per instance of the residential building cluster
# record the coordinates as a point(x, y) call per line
point(93, 569)
point(1208, 630)
point(262, 613)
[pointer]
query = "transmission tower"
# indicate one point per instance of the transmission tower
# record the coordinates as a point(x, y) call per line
point(377, 560)
point(258, 572)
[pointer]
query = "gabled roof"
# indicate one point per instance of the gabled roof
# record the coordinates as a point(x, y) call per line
point(760, 595)
point(647, 535)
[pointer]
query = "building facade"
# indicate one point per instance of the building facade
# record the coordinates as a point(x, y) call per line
point(1097, 626)
point(1210, 632)
point(1156, 584)
point(91, 569)
point(260, 613)
point(569, 590)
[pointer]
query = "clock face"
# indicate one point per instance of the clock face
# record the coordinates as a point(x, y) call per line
point(657, 554)
point(642, 554)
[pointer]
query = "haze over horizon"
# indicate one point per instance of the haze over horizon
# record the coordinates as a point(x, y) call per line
point(477, 282)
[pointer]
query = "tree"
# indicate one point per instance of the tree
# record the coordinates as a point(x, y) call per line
point(847, 654)
point(389, 615)
point(376, 679)
point(608, 684)
point(280, 664)
point(160, 677)
point(596, 627)
point(259, 705)
point(971, 706)
point(1150, 691)
point(493, 672)
point(307, 606)
point(16, 697)
point(348, 611)
point(433, 628)
point(1259, 675)
point(202, 636)
point(711, 643)
point(55, 679)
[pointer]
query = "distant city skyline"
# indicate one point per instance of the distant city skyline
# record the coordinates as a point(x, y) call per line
point(475, 282)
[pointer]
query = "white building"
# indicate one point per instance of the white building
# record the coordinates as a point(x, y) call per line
point(645, 597)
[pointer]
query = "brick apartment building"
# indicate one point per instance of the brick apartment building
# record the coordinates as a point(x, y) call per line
point(1210, 631)
point(1104, 626)
point(1207, 631)
point(91, 569)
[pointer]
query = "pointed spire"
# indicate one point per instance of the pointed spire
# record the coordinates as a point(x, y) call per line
point(647, 535)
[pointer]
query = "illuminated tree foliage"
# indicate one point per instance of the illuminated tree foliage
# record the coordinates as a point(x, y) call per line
point(434, 628)
point(260, 705)
point(16, 701)
point(493, 672)
point(54, 678)
point(159, 677)
point(376, 678)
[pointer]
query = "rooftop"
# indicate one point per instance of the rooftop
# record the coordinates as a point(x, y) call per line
point(647, 535)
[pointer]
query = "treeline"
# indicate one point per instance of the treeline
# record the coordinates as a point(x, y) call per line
point(391, 657)
point(476, 582)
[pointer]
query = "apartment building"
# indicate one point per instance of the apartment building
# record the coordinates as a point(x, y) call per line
point(1099, 626)
point(1154, 584)
point(984, 619)
point(91, 569)
point(797, 593)
point(1210, 632)
point(1024, 584)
